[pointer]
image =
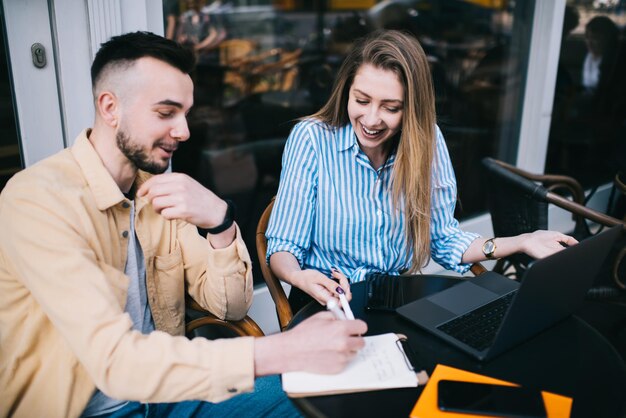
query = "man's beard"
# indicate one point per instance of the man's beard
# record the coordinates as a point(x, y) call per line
point(138, 156)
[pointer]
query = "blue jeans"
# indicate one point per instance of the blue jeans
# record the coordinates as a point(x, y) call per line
point(267, 400)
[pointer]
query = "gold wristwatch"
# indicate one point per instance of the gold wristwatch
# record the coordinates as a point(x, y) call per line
point(489, 248)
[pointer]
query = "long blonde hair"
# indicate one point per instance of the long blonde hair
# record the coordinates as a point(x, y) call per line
point(401, 53)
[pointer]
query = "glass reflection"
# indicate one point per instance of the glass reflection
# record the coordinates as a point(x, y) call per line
point(588, 130)
point(262, 65)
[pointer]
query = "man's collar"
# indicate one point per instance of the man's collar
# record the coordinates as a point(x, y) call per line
point(105, 190)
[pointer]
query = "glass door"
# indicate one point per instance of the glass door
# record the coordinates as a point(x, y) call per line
point(10, 155)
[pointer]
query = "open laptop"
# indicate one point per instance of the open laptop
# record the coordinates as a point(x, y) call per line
point(507, 312)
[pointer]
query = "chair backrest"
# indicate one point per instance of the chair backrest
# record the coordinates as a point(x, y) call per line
point(283, 309)
point(518, 182)
point(519, 205)
point(516, 205)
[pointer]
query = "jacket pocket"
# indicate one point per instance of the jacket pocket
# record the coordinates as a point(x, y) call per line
point(170, 289)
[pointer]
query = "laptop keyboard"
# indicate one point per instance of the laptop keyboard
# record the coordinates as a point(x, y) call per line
point(478, 328)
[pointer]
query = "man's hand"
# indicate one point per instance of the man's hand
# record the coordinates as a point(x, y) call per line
point(319, 286)
point(320, 344)
point(178, 196)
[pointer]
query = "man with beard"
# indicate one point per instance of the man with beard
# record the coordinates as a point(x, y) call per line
point(97, 250)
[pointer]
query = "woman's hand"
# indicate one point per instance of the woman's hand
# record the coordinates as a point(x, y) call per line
point(540, 244)
point(319, 286)
point(343, 282)
point(312, 282)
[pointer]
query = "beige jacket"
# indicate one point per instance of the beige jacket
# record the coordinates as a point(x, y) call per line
point(63, 330)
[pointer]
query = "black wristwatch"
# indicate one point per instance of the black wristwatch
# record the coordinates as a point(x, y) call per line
point(229, 218)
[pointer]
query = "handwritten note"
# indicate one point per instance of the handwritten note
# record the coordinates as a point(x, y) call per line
point(381, 364)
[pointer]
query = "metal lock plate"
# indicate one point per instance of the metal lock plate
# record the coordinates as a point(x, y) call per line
point(38, 53)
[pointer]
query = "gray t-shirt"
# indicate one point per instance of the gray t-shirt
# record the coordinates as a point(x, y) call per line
point(136, 306)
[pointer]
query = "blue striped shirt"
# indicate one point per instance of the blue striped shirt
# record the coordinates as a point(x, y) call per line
point(334, 209)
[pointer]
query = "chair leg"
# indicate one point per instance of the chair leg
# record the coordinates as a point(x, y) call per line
point(500, 266)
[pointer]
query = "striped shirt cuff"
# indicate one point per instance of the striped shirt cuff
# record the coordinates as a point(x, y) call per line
point(276, 246)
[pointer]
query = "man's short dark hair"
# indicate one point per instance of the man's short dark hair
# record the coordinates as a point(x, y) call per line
point(130, 47)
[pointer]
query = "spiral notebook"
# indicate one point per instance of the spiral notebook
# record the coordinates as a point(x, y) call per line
point(381, 364)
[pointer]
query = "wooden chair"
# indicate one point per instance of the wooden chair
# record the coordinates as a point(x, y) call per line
point(283, 309)
point(617, 201)
point(210, 326)
point(619, 268)
point(518, 202)
point(620, 184)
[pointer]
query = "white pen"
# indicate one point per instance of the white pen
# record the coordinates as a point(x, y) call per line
point(332, 306)
point(344, 303)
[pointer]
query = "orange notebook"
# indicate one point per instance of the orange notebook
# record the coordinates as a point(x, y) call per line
point(557, 406)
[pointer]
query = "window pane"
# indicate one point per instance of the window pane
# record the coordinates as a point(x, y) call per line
point(10, 160)
point(262, 65)
point(588, 130)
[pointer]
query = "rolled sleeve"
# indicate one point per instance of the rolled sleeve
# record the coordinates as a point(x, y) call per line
point(275, 245)
point(449, 252)
point(293, 214)
point(233, 259)
point(224, 284)
point(448, 241)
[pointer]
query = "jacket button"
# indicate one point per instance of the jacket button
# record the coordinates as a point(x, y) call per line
point(125, 234)
point(125, 205)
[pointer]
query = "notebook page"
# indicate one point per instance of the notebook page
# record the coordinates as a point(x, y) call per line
point(380, 364)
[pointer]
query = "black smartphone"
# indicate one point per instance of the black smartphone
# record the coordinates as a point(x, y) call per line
point(491, 400)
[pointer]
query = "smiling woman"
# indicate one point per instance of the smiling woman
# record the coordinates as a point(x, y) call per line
point(375, 111)
point(367, 183)
point(367, 191)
